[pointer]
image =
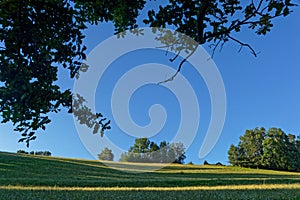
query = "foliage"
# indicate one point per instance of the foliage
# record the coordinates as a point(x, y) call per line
point(272, 149)
point(217, 21)
point(144, 150)
point(106, 154)
point(37, 38)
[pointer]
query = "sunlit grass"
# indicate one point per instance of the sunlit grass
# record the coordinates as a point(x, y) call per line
point(189, 188)
point(38, 177)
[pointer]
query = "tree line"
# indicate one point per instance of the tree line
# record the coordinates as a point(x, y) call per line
point(39, 153)
point(267, 149)
point(144, 150)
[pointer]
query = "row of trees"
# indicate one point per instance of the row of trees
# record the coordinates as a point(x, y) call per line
point(271, 149)
point(40, 153)
point(144, 150)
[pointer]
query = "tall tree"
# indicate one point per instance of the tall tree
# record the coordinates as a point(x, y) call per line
point(38, 37)
point(252, 145)
point(280, 151)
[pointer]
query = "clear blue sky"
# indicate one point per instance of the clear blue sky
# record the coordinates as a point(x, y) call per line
point(261, 91)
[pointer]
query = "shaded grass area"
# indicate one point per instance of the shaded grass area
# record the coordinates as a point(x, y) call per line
point(36, 171)
point(166, 195)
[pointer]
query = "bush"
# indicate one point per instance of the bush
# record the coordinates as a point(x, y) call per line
point(22, 152)
point(205, 163)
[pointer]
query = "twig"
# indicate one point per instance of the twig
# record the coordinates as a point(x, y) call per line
point(172, 59)
point(179, 67)
point(215, 47)
point(243, 44)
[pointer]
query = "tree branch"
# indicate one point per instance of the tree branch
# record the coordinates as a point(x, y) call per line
point(200, 39)
point(179, 67)
point(215, 47)
point(235, 24)
point(242, 45)
point(172, 59)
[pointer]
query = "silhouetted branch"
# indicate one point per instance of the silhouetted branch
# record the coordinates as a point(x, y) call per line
point(179, 67)
point(242, 45)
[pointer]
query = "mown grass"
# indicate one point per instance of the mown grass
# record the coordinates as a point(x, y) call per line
point(37, 177)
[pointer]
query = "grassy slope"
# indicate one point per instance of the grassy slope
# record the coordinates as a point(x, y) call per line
point(32, 172)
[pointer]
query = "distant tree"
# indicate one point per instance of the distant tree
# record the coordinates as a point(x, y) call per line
point(272, 150)
point(124, 157)
point(144, 150)
point(190, 163)
point(179, 151)
point(154, 153)
point(46, 153)
point(22, 152)
point(139, 152)
point(39, 153)
point(251, 146)
point(219, 164)
point(205, 162)
point(141, 145)
point(106, 154)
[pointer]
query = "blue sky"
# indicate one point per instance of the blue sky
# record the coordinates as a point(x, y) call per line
point(260, 91)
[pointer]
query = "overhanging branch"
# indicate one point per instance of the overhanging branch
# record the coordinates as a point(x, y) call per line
point(179, 67)
point(243, 45)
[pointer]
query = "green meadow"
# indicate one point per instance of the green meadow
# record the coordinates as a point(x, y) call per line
point(41, 177)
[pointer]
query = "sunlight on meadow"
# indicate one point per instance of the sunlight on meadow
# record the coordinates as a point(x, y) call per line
point(38, 177)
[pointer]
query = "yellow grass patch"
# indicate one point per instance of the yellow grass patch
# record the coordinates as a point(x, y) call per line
point(189, 188)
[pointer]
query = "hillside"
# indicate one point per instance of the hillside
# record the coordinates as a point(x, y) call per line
point(38, 177)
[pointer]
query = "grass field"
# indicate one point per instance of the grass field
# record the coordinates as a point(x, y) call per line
point(37, 177)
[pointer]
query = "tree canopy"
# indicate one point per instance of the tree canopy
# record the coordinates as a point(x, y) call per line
point(271, 149)
point(144, 150)
point(38, 37)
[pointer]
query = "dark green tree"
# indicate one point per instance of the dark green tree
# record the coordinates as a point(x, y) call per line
point(234, 155)
point(106, 154)
point(272, 150)
point(250, 149)
point(141, 145)
point(252, 146)
point(39, 37)
point(139, 151)
point(280, 151)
